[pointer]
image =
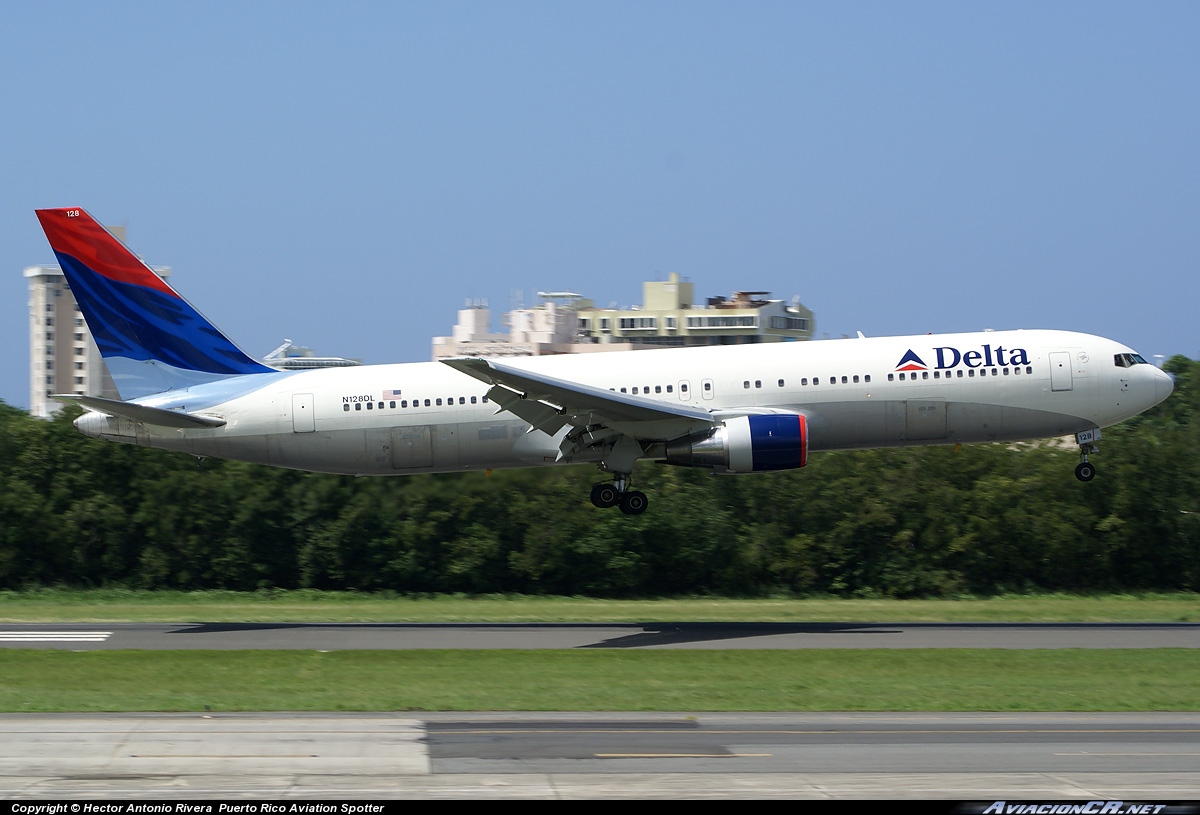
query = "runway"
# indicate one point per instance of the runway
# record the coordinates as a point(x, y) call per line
point(666, 635)
point(577, 756)
point(265, 756)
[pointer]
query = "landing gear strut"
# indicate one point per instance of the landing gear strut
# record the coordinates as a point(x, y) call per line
point(616, 493)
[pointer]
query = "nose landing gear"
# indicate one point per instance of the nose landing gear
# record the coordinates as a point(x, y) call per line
point(1086, 471)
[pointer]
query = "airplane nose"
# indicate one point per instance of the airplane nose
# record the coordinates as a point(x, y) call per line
point(1164, 385)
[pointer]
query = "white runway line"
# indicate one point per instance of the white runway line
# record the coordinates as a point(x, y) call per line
point(54, 636)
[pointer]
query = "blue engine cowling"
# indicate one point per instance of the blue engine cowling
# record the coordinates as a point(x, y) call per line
point(746, 444)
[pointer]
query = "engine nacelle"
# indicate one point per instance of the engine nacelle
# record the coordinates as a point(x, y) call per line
point(746, 444)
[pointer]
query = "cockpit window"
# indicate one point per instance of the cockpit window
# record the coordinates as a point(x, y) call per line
point(1128, 360)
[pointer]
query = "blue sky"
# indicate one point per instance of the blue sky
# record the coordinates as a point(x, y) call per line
point(347, 174)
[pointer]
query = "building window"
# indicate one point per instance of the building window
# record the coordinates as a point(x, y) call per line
point(790, 323)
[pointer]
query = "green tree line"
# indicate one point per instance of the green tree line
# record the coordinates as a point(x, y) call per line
point(914, 522)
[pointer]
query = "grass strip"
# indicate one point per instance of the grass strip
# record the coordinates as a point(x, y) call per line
point(113, 605)
point(819, 680)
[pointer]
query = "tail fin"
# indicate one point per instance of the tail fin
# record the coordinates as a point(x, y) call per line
point(151, 339)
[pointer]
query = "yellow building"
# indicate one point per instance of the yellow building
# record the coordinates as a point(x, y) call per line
point(567, 323)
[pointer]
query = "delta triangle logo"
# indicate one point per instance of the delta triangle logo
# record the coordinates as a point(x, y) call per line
point(911, 362)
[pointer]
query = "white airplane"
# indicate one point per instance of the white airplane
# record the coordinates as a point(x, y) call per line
point(730, 409)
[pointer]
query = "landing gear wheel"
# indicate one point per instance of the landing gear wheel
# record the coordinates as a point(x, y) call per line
point(633, 502)
point(605, 495)
point(1085, 471)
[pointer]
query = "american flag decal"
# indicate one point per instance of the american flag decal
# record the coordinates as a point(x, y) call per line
point(391, 394)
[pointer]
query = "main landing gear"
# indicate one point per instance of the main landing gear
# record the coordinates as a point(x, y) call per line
point(615, 493)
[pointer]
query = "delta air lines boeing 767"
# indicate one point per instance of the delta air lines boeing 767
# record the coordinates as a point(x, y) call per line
point(729, 409)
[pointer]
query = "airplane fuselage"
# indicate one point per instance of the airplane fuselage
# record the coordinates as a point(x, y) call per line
point(854, 393)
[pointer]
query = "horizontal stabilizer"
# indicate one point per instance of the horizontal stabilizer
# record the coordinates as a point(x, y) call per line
point(141, 413)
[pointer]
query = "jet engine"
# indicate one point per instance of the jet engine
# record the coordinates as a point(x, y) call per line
point(745, 444)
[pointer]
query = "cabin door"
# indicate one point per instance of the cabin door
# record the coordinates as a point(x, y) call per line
point(1060, 371)
point(303, 420)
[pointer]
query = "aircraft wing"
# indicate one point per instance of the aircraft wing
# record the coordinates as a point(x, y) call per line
point(549, 403)
point(141, 413)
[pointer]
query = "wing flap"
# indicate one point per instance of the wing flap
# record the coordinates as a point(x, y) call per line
point(549, 403)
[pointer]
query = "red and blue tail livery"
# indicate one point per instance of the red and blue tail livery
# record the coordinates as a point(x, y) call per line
point(152, 340)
